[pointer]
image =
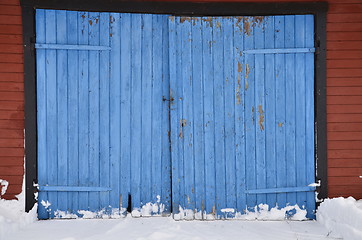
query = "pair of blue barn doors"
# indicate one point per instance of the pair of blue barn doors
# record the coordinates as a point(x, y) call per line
point(202, 117)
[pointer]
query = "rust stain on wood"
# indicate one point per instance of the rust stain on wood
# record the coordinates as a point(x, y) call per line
point(111, 19)
point(247, 29)
point(90, 22)
point(237, 24)
point(280, 124)
point(246, 85)
point(261, 117)
point(249, 23)
point(253, 117)
point(240, 67)
point(238, 94)
point(183, 19)
point(213, 210)
point(172, 18)
point(211, 42)
point(218, 25)
point(247, 71)
point(183, 123)
point(171, 98)
point(209, 20)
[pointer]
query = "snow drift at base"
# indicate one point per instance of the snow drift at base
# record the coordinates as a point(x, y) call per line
point(13, 216)
point(342, 216)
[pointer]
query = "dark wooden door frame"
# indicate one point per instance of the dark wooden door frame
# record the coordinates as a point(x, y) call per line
point(318, 9)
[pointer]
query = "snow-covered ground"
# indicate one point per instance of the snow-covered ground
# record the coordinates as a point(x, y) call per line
point(166, 228)
point(338, 218)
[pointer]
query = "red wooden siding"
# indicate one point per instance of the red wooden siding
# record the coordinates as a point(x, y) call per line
point(11, 97)
point(344, 98)
point(344, 95)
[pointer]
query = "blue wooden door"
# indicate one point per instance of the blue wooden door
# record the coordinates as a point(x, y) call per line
point(103, 122)
point(242, 123)
point(221, 109)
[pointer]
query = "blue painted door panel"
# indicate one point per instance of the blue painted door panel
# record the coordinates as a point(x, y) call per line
point(102, 120)
point(242, 123)
point(219, 108)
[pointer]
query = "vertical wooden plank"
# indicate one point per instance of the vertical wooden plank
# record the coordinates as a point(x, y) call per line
point(136, 134)
point(270, 112)
point(300, 117)
point(187, 121)
point(219, 107)
point(41, 113)
point(309, 135)
point(180, 140)
point(208, 86)
point(280, 110)
point(114, 108)
point(229, 114)
point(240, 86)
point(51, 105)
point(83, 113)
point(73, 123)
point(104, 112)
point(173, 55)
point(260, 109)
point(198, 92)
point(62, 110)
point(158, 130)
point(250, 116)
point(166, 111)
point(290, 107)
point(125, 161)
point(94, 118)
point(83, 110)
point(146, 115)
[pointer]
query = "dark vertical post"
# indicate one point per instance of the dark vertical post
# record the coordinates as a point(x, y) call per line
point(321, 104)
point(28, 14)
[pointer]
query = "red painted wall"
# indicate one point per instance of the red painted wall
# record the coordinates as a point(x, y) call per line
point(11, 97)
point(344, 96)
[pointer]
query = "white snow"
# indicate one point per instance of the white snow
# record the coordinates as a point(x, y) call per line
point(228, 210)
point(115, 214)
point(4, 186)
point(342, 216)
point(261, 212)
point(341, 219)
point(46, 204)
point(155, 228)
point(12, 213)
point(318, 184)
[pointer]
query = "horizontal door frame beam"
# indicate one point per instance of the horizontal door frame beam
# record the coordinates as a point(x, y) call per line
point(281, 190)
point(71, 47)
point(73, 189)
point(181, 8)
